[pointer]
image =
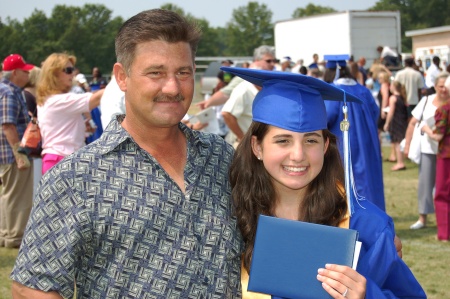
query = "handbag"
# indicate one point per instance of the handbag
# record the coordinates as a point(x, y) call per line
point(414, 147)
point(31, 143)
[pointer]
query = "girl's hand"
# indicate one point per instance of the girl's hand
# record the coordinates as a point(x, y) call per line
point(342, 282)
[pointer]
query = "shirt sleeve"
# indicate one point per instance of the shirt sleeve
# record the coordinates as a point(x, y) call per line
point(53, 239)
point(441, 118)
point(235, 104)
point(9, 109)
point(71, 102)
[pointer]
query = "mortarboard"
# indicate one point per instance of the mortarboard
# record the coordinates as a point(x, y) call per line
point(334, 60)
point(291, 101)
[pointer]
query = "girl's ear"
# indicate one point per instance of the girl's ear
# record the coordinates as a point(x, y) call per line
point(256, 148)
point(325, 146)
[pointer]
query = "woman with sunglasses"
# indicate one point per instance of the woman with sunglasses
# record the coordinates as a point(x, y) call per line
point(59, 111)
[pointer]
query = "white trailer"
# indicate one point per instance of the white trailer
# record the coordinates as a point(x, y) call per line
point(357, 33)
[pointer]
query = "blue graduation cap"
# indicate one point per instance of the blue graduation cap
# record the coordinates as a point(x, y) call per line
point(334, 60)
point(291, 101)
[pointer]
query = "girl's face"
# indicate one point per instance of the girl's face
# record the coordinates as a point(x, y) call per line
point(292, 159)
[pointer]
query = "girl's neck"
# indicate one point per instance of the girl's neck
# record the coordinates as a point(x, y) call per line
point(288, 205)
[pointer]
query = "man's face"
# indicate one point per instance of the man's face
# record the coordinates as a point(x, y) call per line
point(20, 77)
point(267, 62)
point(160, 84)
point(95, 72)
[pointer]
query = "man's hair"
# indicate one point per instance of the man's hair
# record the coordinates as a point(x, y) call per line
point(409, 61)
point(7, 75)
point(259, 52)
point(150, 25)
point(436, 60)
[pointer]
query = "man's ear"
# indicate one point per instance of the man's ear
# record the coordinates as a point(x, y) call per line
point(121, 76)
point(256, 148)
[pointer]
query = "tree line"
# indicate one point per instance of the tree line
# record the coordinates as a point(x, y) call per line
point(88, 32)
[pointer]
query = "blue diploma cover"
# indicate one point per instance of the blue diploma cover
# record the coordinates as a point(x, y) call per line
point(287, 255)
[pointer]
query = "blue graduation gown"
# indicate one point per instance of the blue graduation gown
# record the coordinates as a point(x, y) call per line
point(364, 142)
point(386, 273)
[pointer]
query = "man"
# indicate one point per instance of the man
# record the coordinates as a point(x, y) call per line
point(237, 111)
point(16, 171)
point(224, 77)
point(285, 64)
point(315, 63)
point(413, 83)
point(431, 75)
point(145, 211)
point(364, 143)
point(388, 56)
point(362, 69)
point(80, 84)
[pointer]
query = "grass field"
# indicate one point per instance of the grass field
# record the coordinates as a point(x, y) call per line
point(428, 259)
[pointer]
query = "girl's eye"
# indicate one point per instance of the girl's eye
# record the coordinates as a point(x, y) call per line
point(281, 141)
point(311, 141)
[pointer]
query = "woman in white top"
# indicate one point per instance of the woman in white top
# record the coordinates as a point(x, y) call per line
point(60, 112)
point(425, 109)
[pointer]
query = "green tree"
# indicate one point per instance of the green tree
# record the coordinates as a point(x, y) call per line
point(250, 27)
point(10, 37)
point(311, 10)
point(417, 14)
point(87, 32)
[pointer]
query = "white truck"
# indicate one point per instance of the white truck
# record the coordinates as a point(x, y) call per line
point(357, 33)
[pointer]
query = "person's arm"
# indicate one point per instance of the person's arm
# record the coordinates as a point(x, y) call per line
point(12, 137)
point(94, 101)
point(217, 99)
point(435, 136)
point(231, 122)
point(398, 246)
point(385, 99)
point(409, 133)
point(392, 101)
point(20, 291)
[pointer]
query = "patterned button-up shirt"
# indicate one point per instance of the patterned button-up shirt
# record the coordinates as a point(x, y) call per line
point(110, 218)
point(13, 110)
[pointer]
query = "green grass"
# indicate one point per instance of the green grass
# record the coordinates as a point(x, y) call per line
point(428, 259)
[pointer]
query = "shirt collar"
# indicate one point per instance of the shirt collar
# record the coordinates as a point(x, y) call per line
point(9, 83)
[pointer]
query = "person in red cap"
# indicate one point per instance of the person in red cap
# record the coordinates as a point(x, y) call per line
point(16, 171)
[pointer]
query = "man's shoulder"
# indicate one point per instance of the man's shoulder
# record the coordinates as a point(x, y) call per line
point(213, 141)
point(5, 89)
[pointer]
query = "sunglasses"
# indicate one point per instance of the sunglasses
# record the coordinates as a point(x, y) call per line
point(270, 60)
point(68, 70)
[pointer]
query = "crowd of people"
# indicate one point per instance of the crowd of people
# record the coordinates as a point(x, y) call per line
point(157, 208)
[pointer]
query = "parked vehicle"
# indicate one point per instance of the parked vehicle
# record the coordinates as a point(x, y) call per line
point(209, 78)
point(357, 33)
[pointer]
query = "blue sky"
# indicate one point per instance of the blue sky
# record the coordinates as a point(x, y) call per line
point(217, 12)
